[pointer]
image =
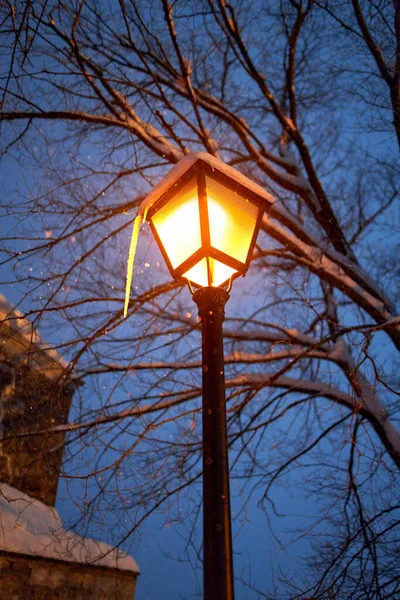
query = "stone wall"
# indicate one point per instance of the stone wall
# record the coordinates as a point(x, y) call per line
point(28, 578)
point(34, 396)
point(39, 559)
point(32, 402)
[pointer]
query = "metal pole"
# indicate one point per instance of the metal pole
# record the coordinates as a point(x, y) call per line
point(217, 535)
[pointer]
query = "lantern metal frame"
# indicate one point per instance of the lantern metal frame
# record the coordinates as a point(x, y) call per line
point(198, 172)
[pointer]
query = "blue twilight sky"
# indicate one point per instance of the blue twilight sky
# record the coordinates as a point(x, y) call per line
point(267, 548)
point(168, 570)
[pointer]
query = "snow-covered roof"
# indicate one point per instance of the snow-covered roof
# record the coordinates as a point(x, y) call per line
point(20, 344)
point(27, 526)
point(185, 163)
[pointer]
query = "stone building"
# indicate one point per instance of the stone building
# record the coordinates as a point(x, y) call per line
point(39, 559)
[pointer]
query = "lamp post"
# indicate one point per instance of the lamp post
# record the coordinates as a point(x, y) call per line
point(205, 217)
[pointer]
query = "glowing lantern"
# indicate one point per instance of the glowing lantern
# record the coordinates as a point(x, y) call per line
point(206, 221)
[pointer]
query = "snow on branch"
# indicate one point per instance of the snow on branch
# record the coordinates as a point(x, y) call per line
point(319, 263)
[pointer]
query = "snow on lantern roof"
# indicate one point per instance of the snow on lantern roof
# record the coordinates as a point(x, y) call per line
point(21, 345)
point(184, 165)
point(27, 526)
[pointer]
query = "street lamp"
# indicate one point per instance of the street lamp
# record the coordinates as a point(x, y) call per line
point(205, 217)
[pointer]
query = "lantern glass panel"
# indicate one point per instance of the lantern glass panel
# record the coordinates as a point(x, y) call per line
point(198, 274)
point(178, 225)
point(215, 276)
point(220, 272)
point(232, 219)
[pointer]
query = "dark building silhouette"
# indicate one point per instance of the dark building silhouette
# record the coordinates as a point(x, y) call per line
point(39, 559)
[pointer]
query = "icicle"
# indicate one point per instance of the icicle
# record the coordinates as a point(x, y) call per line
point(131, 257)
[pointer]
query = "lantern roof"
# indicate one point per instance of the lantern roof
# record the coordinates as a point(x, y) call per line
point(187, 162)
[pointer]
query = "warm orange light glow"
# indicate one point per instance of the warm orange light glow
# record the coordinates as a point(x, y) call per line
point(220, 272)
point(213, 232)
point(232, 221)
point(178, 225)
point(199, 273)
point(219, 219)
